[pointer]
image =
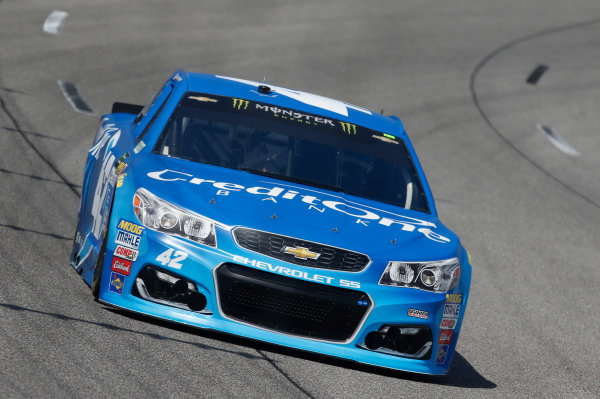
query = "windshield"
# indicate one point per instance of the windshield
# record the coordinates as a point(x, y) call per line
point(292, 145)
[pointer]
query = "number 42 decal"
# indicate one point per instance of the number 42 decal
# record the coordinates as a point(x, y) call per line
point(172, 261)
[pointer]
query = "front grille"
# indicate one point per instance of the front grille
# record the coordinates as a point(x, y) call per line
point(273, 245)
point(290, 305)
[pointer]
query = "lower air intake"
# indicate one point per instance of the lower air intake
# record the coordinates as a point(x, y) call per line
point(290, 305)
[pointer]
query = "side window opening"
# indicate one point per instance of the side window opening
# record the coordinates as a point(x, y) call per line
point(165, 94)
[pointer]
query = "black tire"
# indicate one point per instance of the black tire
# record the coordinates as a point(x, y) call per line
point(98, 269)
point(74, 259)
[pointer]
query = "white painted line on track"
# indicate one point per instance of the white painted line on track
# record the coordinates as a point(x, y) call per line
point(54, 21)
point(558, 141)
point(71, 93)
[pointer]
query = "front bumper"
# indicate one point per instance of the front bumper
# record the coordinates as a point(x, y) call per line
point(379, 306)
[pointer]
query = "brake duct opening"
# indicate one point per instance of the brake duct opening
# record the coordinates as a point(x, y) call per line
point(166, 288)
point(406, 341)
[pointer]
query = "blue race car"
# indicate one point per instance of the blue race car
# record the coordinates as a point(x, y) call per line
point(272, 214)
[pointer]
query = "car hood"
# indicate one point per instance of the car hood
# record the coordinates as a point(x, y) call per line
point(236, 198)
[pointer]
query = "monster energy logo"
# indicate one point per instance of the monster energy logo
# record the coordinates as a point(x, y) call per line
point(348, 127)
point(240, 104)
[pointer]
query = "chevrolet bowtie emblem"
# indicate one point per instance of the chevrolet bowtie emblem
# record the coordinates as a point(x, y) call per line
point(301, 253)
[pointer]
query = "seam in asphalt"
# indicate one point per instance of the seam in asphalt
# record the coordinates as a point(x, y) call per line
point(487, 120)
point(15, 123)
point(290, 379)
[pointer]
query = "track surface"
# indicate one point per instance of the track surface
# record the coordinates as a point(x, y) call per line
point(455, 72)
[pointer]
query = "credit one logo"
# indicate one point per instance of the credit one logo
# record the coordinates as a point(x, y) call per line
point(363, 216)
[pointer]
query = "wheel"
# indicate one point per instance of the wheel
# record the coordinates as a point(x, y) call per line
point(98, 269)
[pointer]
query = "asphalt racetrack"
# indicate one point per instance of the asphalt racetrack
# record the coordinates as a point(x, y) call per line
point(500, 98)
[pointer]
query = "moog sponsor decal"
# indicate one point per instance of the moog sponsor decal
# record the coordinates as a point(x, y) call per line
point(453, 298)
point(129, 234)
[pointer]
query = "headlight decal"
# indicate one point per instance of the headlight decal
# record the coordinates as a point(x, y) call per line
point(158, 214)
point(437, 276)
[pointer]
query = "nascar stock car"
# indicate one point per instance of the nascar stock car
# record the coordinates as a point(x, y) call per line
point(272, 214)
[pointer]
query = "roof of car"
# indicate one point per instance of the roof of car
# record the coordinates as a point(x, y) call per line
point(289, 98)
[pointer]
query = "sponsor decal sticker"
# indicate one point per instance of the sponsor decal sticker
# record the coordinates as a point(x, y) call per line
point(446, 337)
point(117, 281)
point(453, 298)
point(121, 265)
point(127, 239)
point(120, 168)
point(421, 314)
point(308, 98)
point(348, 128)
point(288, 114)
point(139, 147)
point(130, 227)
point(442, 353)
point(120, 164)
point(240, 104)
point(129, 234)
point(451, 310)
point(126, 253)
point(120, 179)
point(448, 324)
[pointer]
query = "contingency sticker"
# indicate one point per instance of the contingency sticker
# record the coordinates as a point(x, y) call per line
point(442, 353)
point(454, 298)
point(129, 234)
point(121, 265)
point(451, 310)
point(117, 281)
point(120, 179)
point(139, 147)
point(126, 253)
point(446, 336)
point(421, 314)
point(448, 324)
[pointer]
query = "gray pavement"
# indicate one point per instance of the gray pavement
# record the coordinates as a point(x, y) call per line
point(454, 72)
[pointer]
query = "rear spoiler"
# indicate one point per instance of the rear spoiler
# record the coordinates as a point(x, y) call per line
point(126, 108)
